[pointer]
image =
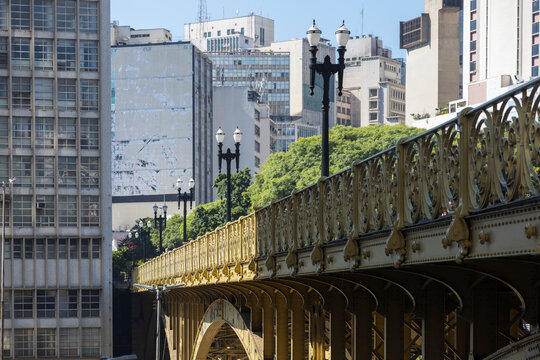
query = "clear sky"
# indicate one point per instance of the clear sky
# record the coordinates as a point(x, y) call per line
point(292, 17)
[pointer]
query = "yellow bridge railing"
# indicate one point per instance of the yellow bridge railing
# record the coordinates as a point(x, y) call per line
point(486, 156)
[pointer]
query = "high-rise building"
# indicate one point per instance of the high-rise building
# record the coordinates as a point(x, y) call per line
point(162, 127)
point(55, 139)
point(433, 43)
point(126, 35)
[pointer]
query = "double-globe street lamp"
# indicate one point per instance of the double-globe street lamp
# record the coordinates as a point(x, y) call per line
point(162, 221)
point(326, 69)
point(4, 185)
point(228, 156)
point(144, 234)
point(185, 197)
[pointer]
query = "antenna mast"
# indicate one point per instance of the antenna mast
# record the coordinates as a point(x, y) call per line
point(201, 18)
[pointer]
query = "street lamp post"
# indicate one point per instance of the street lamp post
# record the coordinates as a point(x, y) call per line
point(185, 197)
point(162, 220)
point(144, 234)
point(229, 156)
point(4, 187)
point(158, 290)
point(326, 69)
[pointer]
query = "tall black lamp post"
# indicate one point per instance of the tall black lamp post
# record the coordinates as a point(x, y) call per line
point(162, 220)
point(228, 157)
point(326, 69)
point(144, 235)
point(185, 197)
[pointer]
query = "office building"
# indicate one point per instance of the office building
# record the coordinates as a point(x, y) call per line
point(162, 127)
point(432, 41)
point(126, 35)
point(55, 140)
point(290, 131)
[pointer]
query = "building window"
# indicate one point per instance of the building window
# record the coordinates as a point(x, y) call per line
point(88, 56)
point(46, 342)
point(3, 15)
point(261, 38)
point(65, 15)
point(89, 134)
point(88, 17)
point(67, 213)
point(89, 210)
point(46, 304)
point(3, 52)
point(4, 91)
point(65, 55)
point(22, 171)
point(96, 248)
point(20, 14)
point(257, 146)
point(28, 248)
point(40, 248)
point(91, 342)
point(51, 249)
point(68, 303)
point(44, 133)
point(43, 97)
point(69, 342)
point(535, 49)
point(89, 95)
point(43, 54)
point(24, 342)
point(43, 15)
point(7, 343)
point(535, 28)
point(372, 92)
point(21, 132)
point(44, 211)
point(373, 104)
point(23, 304)
point(89, 173)
point(73, 249)
point(67, 94)
point(67, 133)
point(473, 25)
point(535, 71)
point(372, 116)
point(21, 92)
point(85, 248)
point(17, 248)
point(90, 303)
point(20, 53)
point(4, 168)
point(67, 171)
point(7, 298)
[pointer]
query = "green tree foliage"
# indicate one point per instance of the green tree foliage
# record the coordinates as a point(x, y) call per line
point(300, 166)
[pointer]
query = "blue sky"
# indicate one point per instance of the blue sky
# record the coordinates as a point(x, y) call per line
point(292, 17)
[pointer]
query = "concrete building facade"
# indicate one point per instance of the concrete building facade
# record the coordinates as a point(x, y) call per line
point(55, 140)
point(126, 35)
point(162, 127)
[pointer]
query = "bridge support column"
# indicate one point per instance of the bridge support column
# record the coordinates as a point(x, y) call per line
point(433, 323)
point(268, 329)
point(484, 320)
point(393, 326)
point(362, 339)
point(337, 326)
point(316, 331)
point(298, 328)
point(282, 327)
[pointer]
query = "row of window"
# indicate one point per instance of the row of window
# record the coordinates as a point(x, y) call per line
point(52, 249)
point(68, 171)
point(535, 38)
point(343, 110)
point(50, 342)
point(39, 15)
point(45, 134)
point(43, 50)
point(52, 210)
point(66, 94)
point(472, 42)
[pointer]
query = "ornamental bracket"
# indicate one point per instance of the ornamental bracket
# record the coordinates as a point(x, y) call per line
point(396, 244)
point(458, 232)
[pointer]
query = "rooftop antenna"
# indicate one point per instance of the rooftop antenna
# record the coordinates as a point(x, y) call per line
point(202, 17)
point(236, 12)
point(362, 13)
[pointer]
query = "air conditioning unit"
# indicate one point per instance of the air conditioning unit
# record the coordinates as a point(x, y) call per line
point(40, 205)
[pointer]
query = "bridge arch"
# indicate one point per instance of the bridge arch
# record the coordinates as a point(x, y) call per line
point(222, 313)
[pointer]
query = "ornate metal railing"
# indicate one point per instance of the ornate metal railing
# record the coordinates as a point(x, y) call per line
point(486, 156)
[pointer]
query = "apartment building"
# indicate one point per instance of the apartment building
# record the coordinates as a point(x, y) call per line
point(55, 140)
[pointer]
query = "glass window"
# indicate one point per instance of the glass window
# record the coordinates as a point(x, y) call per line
point(7, 302)
point(89, 95)
point(62, 248)
point(96, 248)
point(17, 248)
point(90, 303)
point(472, 45)
point(4, 91)
point(88, 17)
point(535, 49)
point(22, 132)
point(23, 304)
point(43, 15)
point(67, 212)
point(20, 53)
point(46, 343)
point(46, 303)
point(44, 171)
point(44, 133)
point(67, 171)
point(89, 134)
point(21, 90)
point(65, 53)
point(7, 343)
point(88, 55)
point(535, 28)
point(3, 52)
point(44, 210)
point(28, 248)
point(43, 54)
point(84, 248)
point(73, 249)
point(67, 94)
point(20, 14)
point(4, 168)
point(7, 249)
point(536, 6)
point(89, 210)
point(51, 249)
point(68, 303)
point(3, 15)
point(89, 172)
point(91, 342)
point(24, 342)
point(535, 71)
point(40, 248)
point(67, 132)
point(43, 94)
point(22, 171)
point(65, 15)
point(69, 342)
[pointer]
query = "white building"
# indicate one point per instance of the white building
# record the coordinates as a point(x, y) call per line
point(432, 41)
point(162, 127)
point(230, 34)
point(55, 140)
point(126, 35)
